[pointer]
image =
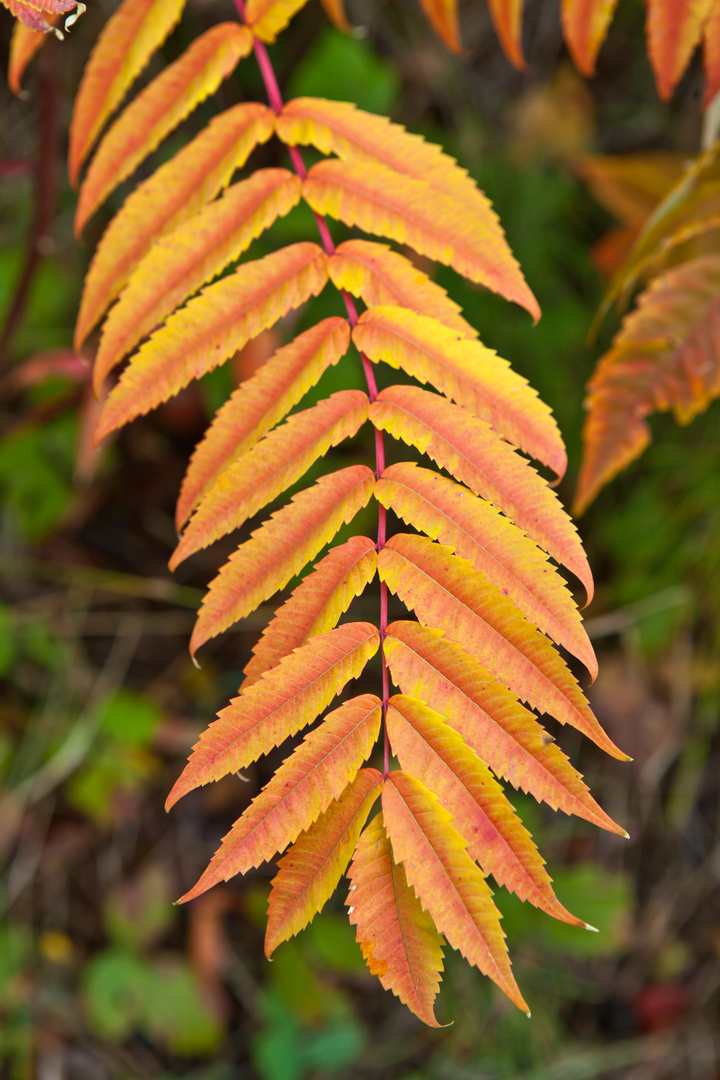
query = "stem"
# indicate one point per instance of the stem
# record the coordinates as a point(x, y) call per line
point(275, 100)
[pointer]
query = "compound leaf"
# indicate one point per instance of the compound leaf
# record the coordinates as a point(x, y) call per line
point(664, 357)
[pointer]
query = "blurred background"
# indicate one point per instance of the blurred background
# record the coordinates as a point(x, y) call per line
point(101, 978)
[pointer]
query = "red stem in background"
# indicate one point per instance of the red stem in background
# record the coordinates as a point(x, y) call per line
point(276, 104)
point(45, 170)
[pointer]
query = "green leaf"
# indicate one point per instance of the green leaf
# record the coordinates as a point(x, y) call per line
point(347, 69)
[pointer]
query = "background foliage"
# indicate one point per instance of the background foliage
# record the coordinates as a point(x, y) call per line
point(99, 976)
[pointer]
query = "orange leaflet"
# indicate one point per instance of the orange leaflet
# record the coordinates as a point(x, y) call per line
point(316, 773)
point(380, 200)
point(476, 531)
point(447, 882)
point(24, 43)
point(475, 455)
point(271, 467)
point(268, 17)
point(280, 548)
point(443, 17)
point(398, 939)
point(379, 275)
point(507, 736)
point(158, 109)
point(310, 872)
point(467, 372)
point(673, 31)
point(711, 55)
point(585, 25)
point(316, 604)
point(507, 17)
point(127, 41)
point(446, 593)
point(664, 357)
point(335, 11)
point(434, 753)
point(338, 127)
point(196, 251)
point(211, 327)
point(280, 704)
point(256, 406)
point(170, 196)
point(355, 136)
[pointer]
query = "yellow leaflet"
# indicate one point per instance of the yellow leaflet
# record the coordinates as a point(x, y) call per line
point(445, 592)
point(171, 195)
point(310, 872)
point(434, 753)
point(380, 201)
point(585, 25)
point(315, 774)
point(196, 251)
point(673, 31)
point(315, 605)
point(158, 109)
point(475, 455)
point(443, 17)
point(467, 372)
point(259, 403)
point(429, 666)
point(379, 275)
point(271, 467)
point(127, 41)
point(476, 531)
point(507, 17)
point(211, 327)
point(447, 882)
point(268, 17)
point(280, 548)
point(335, 11)
point(397, 938)
point(280, 704)
point(24, 43)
